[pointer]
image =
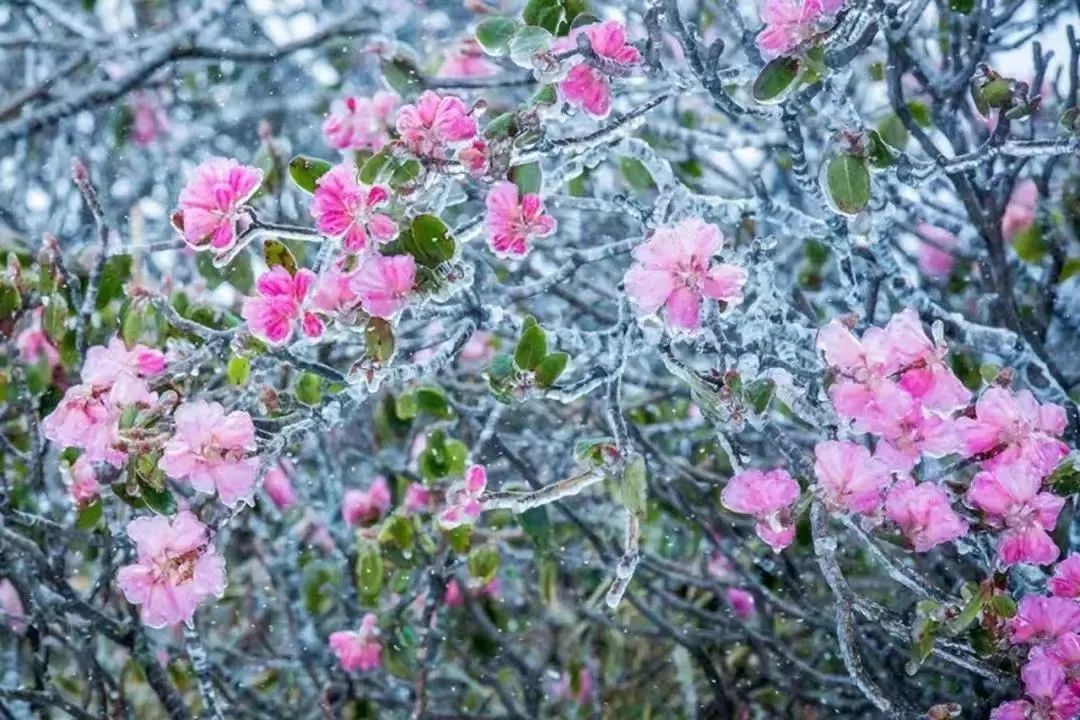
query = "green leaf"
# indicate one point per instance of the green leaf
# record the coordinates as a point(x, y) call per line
point(550, 368)
point(963, 620)
point(160, 501)
point(997, 93)
point(432, 400)
point(238, 273)
point(114, 273)
point(87, 518)
point(962, 6)
point(379, 340)
point(403, 76)
point(537, 525)
point(1003, 606)
point(531, 348)
point(1069, 269)
point(305, 171)
point(309, 388)
point(549, 581)
point(278, 254)
point(429, 241)
point(484, 563)
point(528, 42)
point(369, 573)
point(920, 113)
point(238, 370)
point(397, 530)
point(555, 16)
point(502, 126)
point(54, 319)
point(494, 35)
point(406, 173)
point(893, 132)
point(775, 80)
point(759, 394)
point(848, 182)
point(460, 538)
point(1029, 244)
point(527, 177)
point(501, 367)
point(372, 171)
point(635, 487)
point(635, 173)
point(10, 299)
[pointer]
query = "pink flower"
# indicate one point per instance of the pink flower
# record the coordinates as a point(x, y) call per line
point(790, 23)
point(272, 314)
point(83, 482)
point(212, 200)
point(1010, 498)
point(849, 478)
point(209, 449)
point(148, 118)
point(1044, 619)
point(453, 596)
point(474, 158)
point(417, 498)
point(343, 208)
point(924, 514)
point(587, 85)
point(934, 257)
point(511, 221)
point(741, 601)
point(34, 345)
point(363, 507)
point(1012, 710)
point(279, 487)
point(384, 284)
point(434, 125)
point(674, 271)
point(768, 497)
point(1015, 428)
point(466, 60)
point(1066, 580)
point(122, 372)
point(360, 123)
point(176, 570)
point(358, 650)
point(12, 612)
point(333, 293)
point(463, 504)
point(1045, 683)
point(85, 419)
point(1020, 211)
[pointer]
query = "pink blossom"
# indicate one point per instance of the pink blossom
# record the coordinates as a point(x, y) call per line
point(563, 689)
point(85, 419)
point(924, 514)
point(934, 257)
point(272, 314)
point(1044, 619)
point(358, 650)
point(768, 497)
point(417, 498)
point(474, 157)
point(212, 201)
point(1045, 683)
point(1010, 498)
point(453, 596)
point(34, 345)
point(344, 208)
point(12, 612)
point(1015, 428)
point(360, 123)
point(209, 449)
point(741, 601)
point(279, 487)
point(849, 477)
point(587, 85)
point(1012, 710)
point(363, 507)
point(463, 504)
point(1020, 211)
point(674, 271)
point(513, 221)
point(384, 284)
point(466, 60)
point(434, 125)
point(176, 569)
point(122, 372)
point(148, 118)
point(1066, 649)
point(790, 23)
point(333, 292)
point(83, 482)
point(1066, 579)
